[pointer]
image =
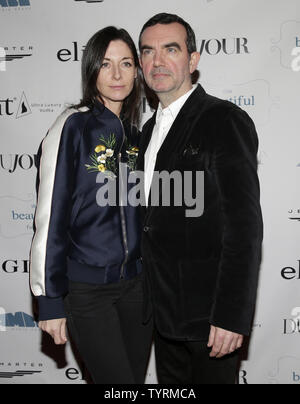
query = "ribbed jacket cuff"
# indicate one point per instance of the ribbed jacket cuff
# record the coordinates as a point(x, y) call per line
point(51, 309)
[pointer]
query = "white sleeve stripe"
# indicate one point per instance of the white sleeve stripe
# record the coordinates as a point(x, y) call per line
point(50, 149)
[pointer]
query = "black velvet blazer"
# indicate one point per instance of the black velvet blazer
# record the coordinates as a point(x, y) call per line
point(202, 271)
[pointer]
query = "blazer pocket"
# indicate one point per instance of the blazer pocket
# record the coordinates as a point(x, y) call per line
point(198, 281)
point(199, 162)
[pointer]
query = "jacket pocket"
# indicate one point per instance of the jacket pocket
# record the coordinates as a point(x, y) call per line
point(198, 281)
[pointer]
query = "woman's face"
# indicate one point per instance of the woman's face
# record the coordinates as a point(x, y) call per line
point(117, 73)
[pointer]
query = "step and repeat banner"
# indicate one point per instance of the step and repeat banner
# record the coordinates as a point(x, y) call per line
point(250, 56)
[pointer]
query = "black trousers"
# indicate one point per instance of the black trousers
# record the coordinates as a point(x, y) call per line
point(188, 362)
point(106, 325)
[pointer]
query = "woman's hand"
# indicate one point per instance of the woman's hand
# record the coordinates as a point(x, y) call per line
point(57, 330)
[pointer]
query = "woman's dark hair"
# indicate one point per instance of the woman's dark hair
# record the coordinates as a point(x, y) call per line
point(166, 19)
point(93, 57)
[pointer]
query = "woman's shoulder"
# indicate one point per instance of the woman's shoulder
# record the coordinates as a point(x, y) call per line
point(75, 114)
point(71, 118)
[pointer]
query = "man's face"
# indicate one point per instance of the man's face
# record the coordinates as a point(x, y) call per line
point(165, 60)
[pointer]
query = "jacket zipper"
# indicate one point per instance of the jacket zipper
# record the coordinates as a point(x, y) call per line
point(122, 212)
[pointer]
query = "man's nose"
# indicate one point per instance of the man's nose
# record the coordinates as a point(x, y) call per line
point(158, 59)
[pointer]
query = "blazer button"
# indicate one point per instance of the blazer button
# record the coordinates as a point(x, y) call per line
point(146, 229)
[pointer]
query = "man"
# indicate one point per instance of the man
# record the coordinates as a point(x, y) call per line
point(201, 273)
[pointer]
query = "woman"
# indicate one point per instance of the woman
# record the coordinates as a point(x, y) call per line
point(89, 253)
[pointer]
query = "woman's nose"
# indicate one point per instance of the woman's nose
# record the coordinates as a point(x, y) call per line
point(117, 73)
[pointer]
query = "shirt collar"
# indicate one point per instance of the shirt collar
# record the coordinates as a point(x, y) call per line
point(174, 108)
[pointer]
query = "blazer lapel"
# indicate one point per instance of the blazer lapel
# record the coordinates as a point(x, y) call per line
point(180, 131)
point(177, 137)
point(144, 142)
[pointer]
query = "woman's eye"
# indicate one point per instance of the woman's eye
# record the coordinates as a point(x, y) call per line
point(104, 65)
point(127, 64)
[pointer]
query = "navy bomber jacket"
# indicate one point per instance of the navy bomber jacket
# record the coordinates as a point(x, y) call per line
point(75, 238)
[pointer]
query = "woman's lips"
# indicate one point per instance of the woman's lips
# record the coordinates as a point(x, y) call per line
point(117, 87)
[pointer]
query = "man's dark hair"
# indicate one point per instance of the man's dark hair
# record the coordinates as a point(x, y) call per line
point(166, 19)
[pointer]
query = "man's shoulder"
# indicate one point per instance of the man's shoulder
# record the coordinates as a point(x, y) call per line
point(220, 107)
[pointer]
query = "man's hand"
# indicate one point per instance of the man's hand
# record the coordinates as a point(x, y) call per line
point(57, 330)
point(223, 342)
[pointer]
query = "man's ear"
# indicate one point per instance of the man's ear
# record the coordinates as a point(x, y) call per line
point(194, 62)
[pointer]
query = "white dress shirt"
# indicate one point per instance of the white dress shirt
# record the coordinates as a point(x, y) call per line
point(164, 121)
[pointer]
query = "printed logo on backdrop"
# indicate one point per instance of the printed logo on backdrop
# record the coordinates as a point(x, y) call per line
point(288, 45)
point(12, 163)
point(15, 266)
point(74, 374)
point(19, 5)
point(6, 107)
point(2, 320)
point(12, 370)
point(254, 97)
point(19, 107)
point(14, 53)
point(19, 321)
point(2, 60)
point(91, 1)
point(212, 47)
point(294, 214)
point(15, 107)
point(24, 108)
point(291, 325)
point(287, 371)
point(18, 373)
point(243, 377)
point(224, 46)
point(72, 53)
point(291, 273)
point(16, 216)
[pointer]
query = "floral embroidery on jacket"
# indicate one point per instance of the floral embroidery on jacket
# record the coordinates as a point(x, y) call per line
point(133, 153)
point(104, 158)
